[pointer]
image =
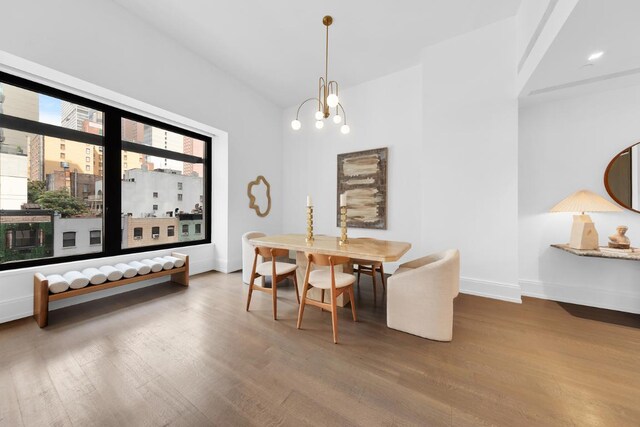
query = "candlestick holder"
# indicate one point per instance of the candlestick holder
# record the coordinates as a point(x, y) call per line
point(309, 237)
point(343, 225)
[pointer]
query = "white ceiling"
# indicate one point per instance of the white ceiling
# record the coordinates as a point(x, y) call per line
point(594, 25)
point(277, 46)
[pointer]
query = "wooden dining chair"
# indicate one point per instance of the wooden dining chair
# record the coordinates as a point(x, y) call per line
point(370, 268)
point(336, 282)
point(278, 271)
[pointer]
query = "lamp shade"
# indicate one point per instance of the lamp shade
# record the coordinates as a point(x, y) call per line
point(585, 201)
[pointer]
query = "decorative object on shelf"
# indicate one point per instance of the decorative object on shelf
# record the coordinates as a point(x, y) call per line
point(362, 176)
point(583, 231)
point(620, 178)
point(309, 237)
point(619, 240)
point(260, 180)
point(327, 94)
point(343, 219)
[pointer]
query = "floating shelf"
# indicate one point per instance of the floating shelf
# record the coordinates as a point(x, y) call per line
point(602, 252)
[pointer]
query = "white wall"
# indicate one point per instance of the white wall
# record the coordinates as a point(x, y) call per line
point(451, 128)
point(385, 112)
point(470, 156)
point(100, 43)
point(565, 146)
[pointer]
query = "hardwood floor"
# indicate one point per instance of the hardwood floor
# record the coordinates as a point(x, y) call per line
point(167, 355)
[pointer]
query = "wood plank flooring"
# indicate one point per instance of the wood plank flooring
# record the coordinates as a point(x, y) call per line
point(168, 355)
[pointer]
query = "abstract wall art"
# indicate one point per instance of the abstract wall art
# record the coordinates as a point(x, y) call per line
point(362, 176)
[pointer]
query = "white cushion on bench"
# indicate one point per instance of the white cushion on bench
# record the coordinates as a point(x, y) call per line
point(140, 267)
point(166, 264)
point(155, 265)
point(76, 279)
point(57, 283)
point(112, 273)
point(127, 270)
point(95, 276)
point(177, 262)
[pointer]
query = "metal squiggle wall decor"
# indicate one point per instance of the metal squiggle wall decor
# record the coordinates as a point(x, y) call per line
point(252, 199)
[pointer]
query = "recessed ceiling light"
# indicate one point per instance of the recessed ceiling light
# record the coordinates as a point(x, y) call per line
point(595, 55)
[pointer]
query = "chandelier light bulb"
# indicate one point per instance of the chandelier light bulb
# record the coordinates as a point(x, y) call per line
point(337, 119)
point(332, 100)
point(296, 125)
point(319, 124)
point(345, 129)
point(319, 115)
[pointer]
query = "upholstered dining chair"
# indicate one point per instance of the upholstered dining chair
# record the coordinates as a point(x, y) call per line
point(248, 254)
point(336, 282)
point(278, 271)
point(420, 295)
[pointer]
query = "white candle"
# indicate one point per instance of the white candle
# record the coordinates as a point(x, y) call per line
point(343, 200)
point(308, 200)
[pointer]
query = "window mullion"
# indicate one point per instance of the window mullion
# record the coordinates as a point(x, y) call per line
point(112, 174)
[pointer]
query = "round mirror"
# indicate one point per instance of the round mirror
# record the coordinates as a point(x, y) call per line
point(622, 178)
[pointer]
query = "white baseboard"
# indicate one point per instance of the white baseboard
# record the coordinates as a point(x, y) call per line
point(490, 289)
point(17, 307)
point(232, 265)
point(575, 294)
point(197, 267)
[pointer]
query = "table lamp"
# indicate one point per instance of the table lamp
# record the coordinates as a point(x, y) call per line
point(583, 231)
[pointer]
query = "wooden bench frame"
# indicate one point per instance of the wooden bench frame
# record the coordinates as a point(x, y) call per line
point(42, 296)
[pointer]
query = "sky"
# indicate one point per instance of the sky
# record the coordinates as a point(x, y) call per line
point(50, 110)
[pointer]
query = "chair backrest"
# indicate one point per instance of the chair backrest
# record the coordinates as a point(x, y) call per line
point(448, 260)
point(267, 252)
point(251, 235)
point(326, 260)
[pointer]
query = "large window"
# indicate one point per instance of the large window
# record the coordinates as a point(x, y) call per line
point(169, 167)
point(70, 166)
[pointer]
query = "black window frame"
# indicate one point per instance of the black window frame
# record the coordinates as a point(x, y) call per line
point(112, 145)
point(171, 230)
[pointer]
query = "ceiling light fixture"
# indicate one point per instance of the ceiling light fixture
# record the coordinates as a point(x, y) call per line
point(595, 55)
point(327, 94)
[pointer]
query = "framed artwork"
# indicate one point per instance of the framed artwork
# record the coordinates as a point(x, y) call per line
point(362, 176)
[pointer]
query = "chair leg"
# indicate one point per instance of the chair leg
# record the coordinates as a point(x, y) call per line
point(353, 304)
point(302, 304)
point(322, 296)
point(295, 283)
point(373, 279)
point(253, 277)
point(334, 317)
point(274, 297)
point(358, 277)
point(384, 284)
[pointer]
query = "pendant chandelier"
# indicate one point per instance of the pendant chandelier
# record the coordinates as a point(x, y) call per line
point(327, 95)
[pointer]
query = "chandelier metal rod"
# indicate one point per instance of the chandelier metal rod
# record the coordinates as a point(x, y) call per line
point(304, 102)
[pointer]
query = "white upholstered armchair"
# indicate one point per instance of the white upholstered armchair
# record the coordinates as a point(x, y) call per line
point(420, 295)
point(248, 253)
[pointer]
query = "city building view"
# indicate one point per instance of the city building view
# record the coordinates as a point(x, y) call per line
point(52, 192)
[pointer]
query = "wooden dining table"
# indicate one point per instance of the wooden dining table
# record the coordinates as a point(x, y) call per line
point(356, 248)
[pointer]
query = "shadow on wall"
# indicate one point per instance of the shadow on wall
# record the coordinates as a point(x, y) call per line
point(589, 281)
